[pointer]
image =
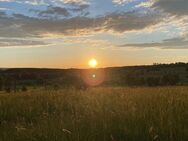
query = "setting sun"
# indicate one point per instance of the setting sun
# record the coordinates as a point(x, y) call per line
point(92, 63)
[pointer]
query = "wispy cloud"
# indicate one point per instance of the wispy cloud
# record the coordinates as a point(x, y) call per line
point(173, 43)
point(76, 1)
point(48, 2)
point(15, 42)
point(120, 2)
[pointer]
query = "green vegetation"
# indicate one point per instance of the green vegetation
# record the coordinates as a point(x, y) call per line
point(96, 114)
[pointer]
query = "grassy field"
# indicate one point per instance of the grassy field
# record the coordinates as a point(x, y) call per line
point(98, 114)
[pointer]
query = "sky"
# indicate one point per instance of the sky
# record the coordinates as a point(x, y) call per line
point(68, 33)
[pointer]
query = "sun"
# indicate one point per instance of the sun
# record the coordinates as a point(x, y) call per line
point(93, 63)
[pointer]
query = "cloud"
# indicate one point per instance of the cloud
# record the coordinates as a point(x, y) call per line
point(145, 4)
point(79, 8)
point(65, 18)
point(129, 21)
point(76, 1)
point(120, 2)
point(24, 26)
point(174, 7)
point(4, 42)
point(58, 11)
point(173, 43)
point(32, 2)
point(2, 14)
point(48, 2)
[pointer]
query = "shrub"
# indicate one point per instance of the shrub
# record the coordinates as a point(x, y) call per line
point(24, 88)
point(153, 81)
point(170, 79)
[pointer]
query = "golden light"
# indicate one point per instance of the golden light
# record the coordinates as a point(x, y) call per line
point(93, 63)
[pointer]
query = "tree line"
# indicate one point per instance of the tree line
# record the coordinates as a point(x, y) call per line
point(14, 80)
point(163, 80)
point(10, 84)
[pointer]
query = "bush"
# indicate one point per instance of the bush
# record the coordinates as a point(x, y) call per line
point(56, 87)
point(153, 81)
point(1, 84)
point(186, 69)
point(170, 79)
point(24, 88)
point(8, 89)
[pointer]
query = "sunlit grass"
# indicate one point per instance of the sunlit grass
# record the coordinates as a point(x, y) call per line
point(98, 114)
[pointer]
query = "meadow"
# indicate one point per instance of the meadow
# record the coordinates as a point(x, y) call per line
point(95, 114)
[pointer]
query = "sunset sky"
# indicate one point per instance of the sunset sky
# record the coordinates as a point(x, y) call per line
point(68, 33)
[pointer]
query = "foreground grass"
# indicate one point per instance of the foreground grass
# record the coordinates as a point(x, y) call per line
point(101, 114)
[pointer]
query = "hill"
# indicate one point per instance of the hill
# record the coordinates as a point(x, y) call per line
point(154, 75)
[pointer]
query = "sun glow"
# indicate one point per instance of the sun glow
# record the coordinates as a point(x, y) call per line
point(93, 63)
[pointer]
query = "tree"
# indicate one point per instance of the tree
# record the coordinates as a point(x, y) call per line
point(153, 81)
point(24, 88)
point(7, 85)
point(186, 69)
point(1, 83)
point(170, 79)
point(15, 85)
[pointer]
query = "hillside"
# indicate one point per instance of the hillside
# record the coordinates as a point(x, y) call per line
point(154, 75)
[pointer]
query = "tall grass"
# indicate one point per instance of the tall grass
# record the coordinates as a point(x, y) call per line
point(98, 114)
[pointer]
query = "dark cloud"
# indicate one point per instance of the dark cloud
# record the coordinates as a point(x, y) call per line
point(121, 22)
point(175, 7)
point(2, 14)
point(173, 43)
point(20, 25)
point(4, 42)
point(80, 8)
point(51, 11)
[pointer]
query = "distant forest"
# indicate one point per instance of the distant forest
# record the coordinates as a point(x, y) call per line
point(14, 80)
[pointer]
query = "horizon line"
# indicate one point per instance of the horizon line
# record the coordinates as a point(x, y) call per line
point(1, 68)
